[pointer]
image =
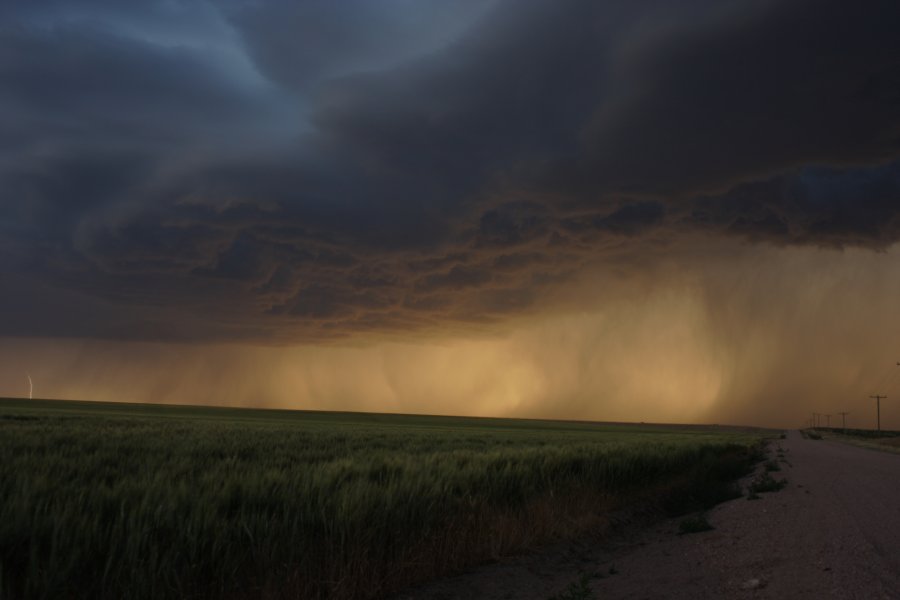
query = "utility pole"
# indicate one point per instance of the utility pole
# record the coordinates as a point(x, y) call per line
point(878, 400)
point(828, 421)
point(844, 420)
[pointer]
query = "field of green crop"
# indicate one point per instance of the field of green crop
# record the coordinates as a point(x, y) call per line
point(113, 501)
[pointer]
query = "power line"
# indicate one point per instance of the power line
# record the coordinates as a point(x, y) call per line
point(878, 401)
point(844, 419)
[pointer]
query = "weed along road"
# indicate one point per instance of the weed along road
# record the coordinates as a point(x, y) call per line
point(832, 532)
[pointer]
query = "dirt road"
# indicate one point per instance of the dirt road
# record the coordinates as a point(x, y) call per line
point(833, 532)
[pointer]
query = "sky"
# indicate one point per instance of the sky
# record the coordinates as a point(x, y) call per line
point(655, 210)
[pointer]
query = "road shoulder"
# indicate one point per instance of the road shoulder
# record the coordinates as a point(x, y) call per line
point(794, 543)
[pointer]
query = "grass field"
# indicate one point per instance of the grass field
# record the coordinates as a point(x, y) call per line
point(139, 501)
point(862, 433)
point(885, 440)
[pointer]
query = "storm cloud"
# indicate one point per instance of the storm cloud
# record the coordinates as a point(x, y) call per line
point(276, 172)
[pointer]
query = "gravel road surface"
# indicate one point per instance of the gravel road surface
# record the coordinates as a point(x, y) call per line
point(833, 532)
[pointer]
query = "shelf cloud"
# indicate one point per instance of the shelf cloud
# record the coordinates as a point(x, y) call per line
point(286, 173)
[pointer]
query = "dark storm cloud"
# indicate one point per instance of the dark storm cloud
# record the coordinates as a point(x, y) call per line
point(277, 170)
point(631, 219)
point(752, 92)
point(513, 224)
point(298, 44)
point(820, 206)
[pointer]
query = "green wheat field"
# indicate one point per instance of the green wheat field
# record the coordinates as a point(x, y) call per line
point(102, 500)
